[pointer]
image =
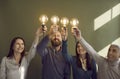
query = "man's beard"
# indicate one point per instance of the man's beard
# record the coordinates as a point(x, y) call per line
point(55, 42)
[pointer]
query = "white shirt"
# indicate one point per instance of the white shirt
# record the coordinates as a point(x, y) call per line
point(10, 70)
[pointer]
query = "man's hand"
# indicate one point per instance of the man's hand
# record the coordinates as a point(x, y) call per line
point(64, 33)
point(53, 29)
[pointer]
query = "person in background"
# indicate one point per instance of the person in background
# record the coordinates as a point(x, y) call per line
point(54, 65)
point(108, 68)
point(83, 65)
point(15, 64)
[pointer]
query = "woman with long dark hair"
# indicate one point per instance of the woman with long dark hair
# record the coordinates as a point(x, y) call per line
point(15, 64)
point(83, 66)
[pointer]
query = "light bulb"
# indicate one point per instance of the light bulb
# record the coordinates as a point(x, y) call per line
point(74, 22)
point(43, 19)
point(55, 20)
point(64, 21)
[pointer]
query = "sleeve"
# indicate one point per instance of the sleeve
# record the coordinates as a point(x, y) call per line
point(32, 51)
point(94, 74)
point(67, 57)
point(41, 47)
point(91, 51)
point(67, 72)
point(3, 69)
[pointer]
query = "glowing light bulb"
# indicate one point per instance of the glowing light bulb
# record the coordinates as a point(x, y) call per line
point(55, 20)
point(74, 22)
point(64, 21)
point(43, 19)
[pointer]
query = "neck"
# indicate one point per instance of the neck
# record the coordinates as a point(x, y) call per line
point(57, 48)
point(17, 57)
point(83, 56)
point(114, 62)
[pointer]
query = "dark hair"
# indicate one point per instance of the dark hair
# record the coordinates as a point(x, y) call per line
point(88, 59)
point(11, 51)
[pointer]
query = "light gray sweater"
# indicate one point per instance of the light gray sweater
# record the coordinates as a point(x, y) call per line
point(10, 70)
point(106, 69)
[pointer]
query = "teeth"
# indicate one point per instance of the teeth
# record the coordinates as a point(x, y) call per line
point(20, 49)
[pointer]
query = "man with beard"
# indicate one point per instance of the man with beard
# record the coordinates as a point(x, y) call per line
point(53, 62)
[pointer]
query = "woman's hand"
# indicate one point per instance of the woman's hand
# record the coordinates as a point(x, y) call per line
point(41, 30)
point(76, 33)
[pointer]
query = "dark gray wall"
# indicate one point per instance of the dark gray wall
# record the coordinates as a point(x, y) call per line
point(20, 18)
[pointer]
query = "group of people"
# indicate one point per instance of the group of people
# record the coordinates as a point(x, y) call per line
point(56, 60)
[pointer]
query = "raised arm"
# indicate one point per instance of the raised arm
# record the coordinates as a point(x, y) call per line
point(41, 47)
point(3, 69)
point(32, 50)
point(77, 34)
point(64, 34)
point(68, 58)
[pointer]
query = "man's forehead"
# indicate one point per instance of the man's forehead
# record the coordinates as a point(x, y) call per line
point(57, 33)
point(114, 47)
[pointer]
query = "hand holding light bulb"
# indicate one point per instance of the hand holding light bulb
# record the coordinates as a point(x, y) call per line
point(64, 22)
point(43, 19)
point(75, 31)
point(64, 32)
point(55, 20)
point(74, 22)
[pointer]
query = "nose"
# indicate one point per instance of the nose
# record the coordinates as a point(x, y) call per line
point(56, 36)
point(20, 45)
point(110, 52)
point(80, 47)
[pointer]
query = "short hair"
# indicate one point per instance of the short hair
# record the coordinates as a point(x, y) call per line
point(115, 46)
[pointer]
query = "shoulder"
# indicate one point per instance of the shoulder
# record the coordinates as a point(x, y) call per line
point(4, 58)
point(7, 58)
